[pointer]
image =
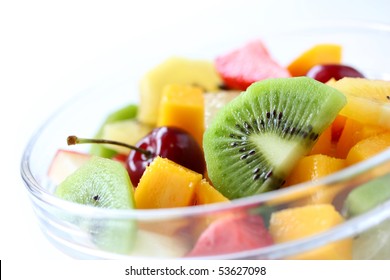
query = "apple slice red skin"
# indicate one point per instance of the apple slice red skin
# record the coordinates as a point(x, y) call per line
point(65, 162)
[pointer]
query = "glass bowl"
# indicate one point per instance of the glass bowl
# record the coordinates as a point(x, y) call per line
point(96, 233)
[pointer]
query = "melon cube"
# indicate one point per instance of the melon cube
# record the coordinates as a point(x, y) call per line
point(368, 196)
point(375, 242)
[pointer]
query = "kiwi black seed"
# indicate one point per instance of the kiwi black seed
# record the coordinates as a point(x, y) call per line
point(255, 140)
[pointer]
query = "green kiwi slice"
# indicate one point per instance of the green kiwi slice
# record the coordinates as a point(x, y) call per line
point(256, 139)
point(102, 183)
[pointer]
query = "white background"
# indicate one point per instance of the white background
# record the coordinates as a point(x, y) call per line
point(52, 50)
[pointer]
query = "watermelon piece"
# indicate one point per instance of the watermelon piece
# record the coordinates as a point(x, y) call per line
point(233, 233)
point(248, 64)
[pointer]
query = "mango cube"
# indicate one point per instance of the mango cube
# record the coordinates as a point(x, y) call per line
point(183, 106)
point(324, 143)
point(312, 168)
point(300, 222)
point(166, 184)
point(338, 127)
point(318, 54)
point(354, 132)
point(179, 70)
point(368, 147)
point(206, 194)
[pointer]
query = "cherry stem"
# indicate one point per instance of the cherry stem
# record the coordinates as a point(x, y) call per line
point(73, 140)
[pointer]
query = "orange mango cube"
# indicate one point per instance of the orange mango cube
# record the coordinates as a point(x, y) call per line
point(312, 168)
point(319, 54)
point(338, 127)
point(368, 147)
point(324, 143)
point(183, 106)
point(166, 184)
point(300, 222)
point(206, 194)
point(354, 132)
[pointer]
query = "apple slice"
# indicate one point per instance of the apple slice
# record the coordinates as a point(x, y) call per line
point(65, 163)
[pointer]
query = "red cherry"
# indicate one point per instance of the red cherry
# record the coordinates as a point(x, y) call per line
point(325, 72)
point(167, 142)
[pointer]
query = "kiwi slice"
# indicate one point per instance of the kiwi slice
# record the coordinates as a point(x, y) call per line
point(255, 140)
point(127, 112)
point(102, 183)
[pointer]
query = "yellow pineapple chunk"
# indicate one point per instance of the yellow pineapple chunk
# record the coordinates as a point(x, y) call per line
point(368, 100)
point(166, 184)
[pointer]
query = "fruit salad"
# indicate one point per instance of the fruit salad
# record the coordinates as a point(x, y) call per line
point(209, 133)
